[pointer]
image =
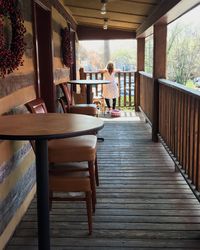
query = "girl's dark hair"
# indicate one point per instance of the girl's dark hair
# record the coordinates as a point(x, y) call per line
point(110, 67)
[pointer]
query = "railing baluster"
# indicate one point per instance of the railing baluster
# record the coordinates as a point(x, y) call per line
point(198, 150)
point(190, 174)
point(124, 89)
point(119, 87)
point(129, 87)
point(195, 143)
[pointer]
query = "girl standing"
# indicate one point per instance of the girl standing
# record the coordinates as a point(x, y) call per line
point(110, 91)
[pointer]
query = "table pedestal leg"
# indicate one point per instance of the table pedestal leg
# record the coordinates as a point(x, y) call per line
point(42, 194)
point(89, 91)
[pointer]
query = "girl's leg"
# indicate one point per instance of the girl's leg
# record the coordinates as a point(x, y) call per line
point(107, 102)
point(114, 103)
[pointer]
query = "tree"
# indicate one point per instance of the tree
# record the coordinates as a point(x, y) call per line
point(124, 59)
point(183, 53)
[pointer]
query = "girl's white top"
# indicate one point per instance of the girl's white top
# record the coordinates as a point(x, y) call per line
point(110, 90)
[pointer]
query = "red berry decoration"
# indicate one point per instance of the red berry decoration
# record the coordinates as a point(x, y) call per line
point(11, 54)
point(66, 47)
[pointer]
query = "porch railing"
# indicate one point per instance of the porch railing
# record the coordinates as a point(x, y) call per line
point(125, 81)
point(178, 123)
point(146, 95)
point(179, 126)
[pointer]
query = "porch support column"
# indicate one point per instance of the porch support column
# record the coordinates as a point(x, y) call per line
point(140, 67)
point(159, 71)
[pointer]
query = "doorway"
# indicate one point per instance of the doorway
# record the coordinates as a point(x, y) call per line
point(45, 87)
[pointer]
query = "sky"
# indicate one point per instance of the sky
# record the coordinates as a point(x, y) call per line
point(190, 18)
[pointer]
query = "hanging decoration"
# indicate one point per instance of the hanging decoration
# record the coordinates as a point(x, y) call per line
point(66, 47)
point(11, 53)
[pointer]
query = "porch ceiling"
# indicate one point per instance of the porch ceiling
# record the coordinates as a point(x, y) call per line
point(130, 17)
point(125, 15)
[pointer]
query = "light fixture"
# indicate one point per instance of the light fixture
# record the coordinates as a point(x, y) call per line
point(103, 8)
point(105, 25)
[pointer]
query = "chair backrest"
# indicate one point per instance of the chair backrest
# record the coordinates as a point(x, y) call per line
point(67, 94)
point(63, 103)
point(36, 106)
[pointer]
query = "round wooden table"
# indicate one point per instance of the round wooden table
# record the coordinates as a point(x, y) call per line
point(41, 128)
point(89, 84)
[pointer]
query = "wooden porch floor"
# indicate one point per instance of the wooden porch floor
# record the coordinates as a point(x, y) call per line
point(142, 202)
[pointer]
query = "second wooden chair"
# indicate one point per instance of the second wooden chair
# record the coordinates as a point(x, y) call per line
point(69, 106)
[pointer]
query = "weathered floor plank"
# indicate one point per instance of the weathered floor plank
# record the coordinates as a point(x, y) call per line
point(142, 202)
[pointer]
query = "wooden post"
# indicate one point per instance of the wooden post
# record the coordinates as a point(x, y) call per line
point(159, 71)
point(140, 67)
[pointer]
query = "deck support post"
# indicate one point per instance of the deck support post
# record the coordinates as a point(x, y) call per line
point(159, 71)
point(140, 67)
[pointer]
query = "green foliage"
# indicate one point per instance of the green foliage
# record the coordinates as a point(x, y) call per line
point(183, 53)
point(190, 84)
point(124, 59)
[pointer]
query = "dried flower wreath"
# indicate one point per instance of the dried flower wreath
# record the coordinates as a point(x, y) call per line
point(66, 47)
point(11, 54)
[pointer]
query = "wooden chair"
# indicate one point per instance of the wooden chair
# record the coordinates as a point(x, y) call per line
point(65, 176)
point(69, 106)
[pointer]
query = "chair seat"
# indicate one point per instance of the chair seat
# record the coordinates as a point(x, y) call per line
point(86, 109)
point(70, 182)
point(76, 149)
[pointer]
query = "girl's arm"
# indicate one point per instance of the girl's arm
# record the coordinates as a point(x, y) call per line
point(102, 71)
point(117, 70)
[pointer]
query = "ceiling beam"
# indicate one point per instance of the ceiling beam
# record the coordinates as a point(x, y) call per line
point(139, 2)
point(108, 11)
point(93, 33)
point(102, 19)
point(65, 12)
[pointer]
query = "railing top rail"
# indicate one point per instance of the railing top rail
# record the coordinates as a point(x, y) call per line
point(180, 87)
point(96, 72)
point(146, 74)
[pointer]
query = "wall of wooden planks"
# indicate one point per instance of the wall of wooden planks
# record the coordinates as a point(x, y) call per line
point(17, 160)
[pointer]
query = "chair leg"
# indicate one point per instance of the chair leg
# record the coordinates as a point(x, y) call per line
point(92, 182)
point(96, 172)
point(89, 210)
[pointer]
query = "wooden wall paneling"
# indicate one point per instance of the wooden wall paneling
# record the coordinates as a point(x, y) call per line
point(17, 98)
point(61, 72)
point(15, 90)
